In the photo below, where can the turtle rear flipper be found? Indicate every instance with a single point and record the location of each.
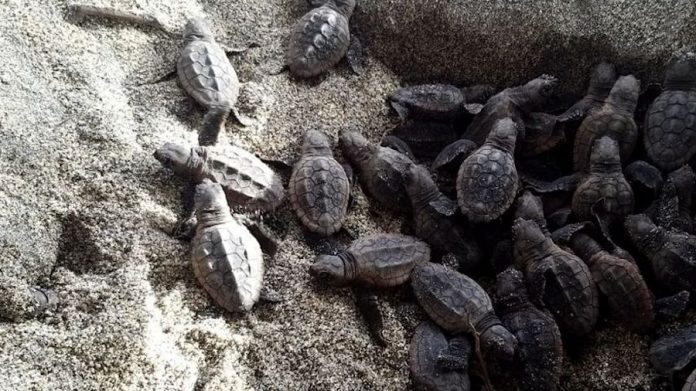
(355, 56)
(213, 123)
(368, 305)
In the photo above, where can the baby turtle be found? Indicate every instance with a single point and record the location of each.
(630, 301)
(381, 170)
(434, 221)
(206, 74)
(614, 119)
(319, 187)
(670, 124)
(383, 260)
(515, 103)
(673, 356)
(249, 184)
(427, 346)
(539, 353)
(321, 38)
(459, 305)
(426, 138)
(227, 259)
(672, 254)
(556, 279)
(487, 180)
(439, 102)
(601, 83)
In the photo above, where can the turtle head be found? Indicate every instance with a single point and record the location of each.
(530, 207)
(503, 135)
(316, 143)
(197, 30)
(329, 269)
(527, 237)
(603, 79)
(354, 146)
(639, 228)
(624, 94)
(345, 7)
(681, 71)
(605, 155)
(510, 288)
(209, 201)
(498, 341)
(418, 183)
(174, 157)
(540, 90)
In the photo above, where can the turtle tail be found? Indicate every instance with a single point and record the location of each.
(213, 123)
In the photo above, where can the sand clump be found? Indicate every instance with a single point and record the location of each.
(87, 210)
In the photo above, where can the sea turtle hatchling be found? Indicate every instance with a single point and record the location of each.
(614, 119)
(380, 170)
(319, 187)
(487, 181)
(383, 260)
(460, 306)
(556, 279)
(672, 254)
(249, 183)
(427, 346)
(515, 103)
(227, 259)
(674, 356)
(206, 74)
(321, 38)
(434, 220)
(439, 102)
(601, 82)
(630, 301)
(670, 124)
(539, 353)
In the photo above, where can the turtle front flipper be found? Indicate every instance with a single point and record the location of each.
(398, 145)
(267, 240)
(213, 123)
(576, 112)
(355, 56)
(368, 304)
(457, 355)
(566, 183)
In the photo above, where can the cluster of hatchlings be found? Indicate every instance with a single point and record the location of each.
(563, 253)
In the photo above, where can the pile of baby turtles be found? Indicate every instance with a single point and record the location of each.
(484, 177)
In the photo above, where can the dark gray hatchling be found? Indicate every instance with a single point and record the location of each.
(539, 354)
(381, 171)
(670, 124)
(428, 345)
(556, 279)
(672, 254)
(434, 219)
(460, 306)
(319, 187)
(321, 38)
(487, 181)
(674, 356)
(249, 183)
(227, 259)
(206, 74)
(439, 102)
(514, 103)
(614, 119)
(601, 82)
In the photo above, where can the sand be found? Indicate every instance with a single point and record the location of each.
(86, 209)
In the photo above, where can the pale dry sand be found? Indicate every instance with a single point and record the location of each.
(86, 209)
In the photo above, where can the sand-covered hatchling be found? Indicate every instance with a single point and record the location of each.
(381, 171)
(515, 103)
(439, 102)
(556, 279)
(459, 305)
(227, 259)
(249, 183)
(672, 254)
(428, 345)
(206, 74)
(614, 119)
(670, 124)
(321, 38)
(601, 82)
(434, 220)
(487, 181)
(629, 299)
(674, 356)
(319, 188)
(539, 353)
